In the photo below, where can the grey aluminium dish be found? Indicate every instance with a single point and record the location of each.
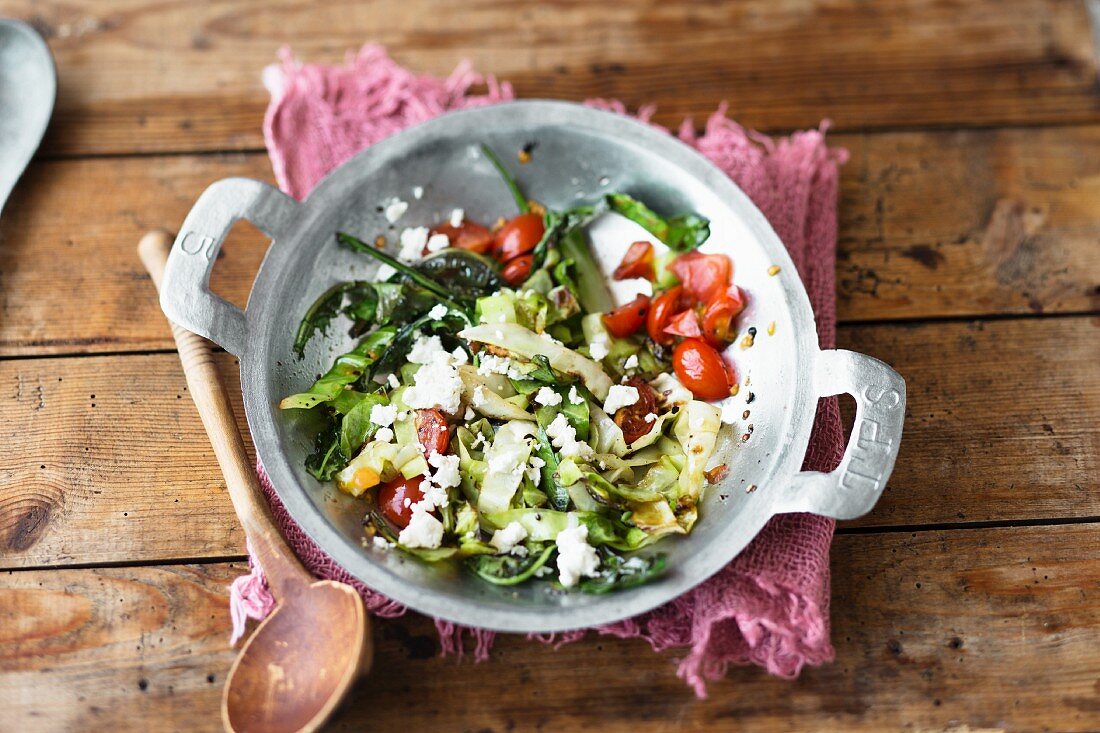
(580, 153)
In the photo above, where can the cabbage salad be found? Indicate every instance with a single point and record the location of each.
(500, 410)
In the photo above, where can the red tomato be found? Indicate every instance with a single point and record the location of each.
(391, 499)
(469, 235)
(685, 324)
(431, 431)
(703, 276)
(701, 369)
(518, 237)
(626, 319)
(518, 269)
(664, 306)
(631, 419)
(719, 317)
(637, 262)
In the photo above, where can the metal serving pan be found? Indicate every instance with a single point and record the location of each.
(580, 153)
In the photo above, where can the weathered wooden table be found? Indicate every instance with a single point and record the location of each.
(969, 259)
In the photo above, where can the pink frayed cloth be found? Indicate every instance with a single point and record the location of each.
(770, 606)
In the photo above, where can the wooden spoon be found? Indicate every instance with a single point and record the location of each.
(301, 660)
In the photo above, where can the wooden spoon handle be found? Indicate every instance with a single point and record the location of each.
(284, 573)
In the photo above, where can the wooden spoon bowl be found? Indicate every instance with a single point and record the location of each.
(299, 662)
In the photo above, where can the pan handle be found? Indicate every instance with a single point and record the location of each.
(185, 297)
(856, 484)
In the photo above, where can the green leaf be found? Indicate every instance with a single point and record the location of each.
(326, 459)
(320, 314)
(555, 492)
(358, 245)
(356, 427)
(617, 573)
(681, 233)
(509, 181)
(467, 274)
(347, 370)
(508, 569)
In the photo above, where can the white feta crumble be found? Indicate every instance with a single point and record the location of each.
(546, 335)
(383, 415)
(424, 530)
(437, 386)
(438, 311)
(446, 470)
(458, 356)
(437, 242)
(404, 414)
(380, 542)
(457, 216)
(493, 364)
(534, 469)
(433, 496)
(413, 241)
(618, 397)
(426, 349)
(598, 348)
(564, 437)
(479, 398)
(576, 558)
(575, 396)
(506, 539)
(729, 413)
(418, 192)
(470, 414)
(385, 272)
(548, 397)
(384, 435)
(651, 417)
(393, 381)
(395, 209)
(631, 362)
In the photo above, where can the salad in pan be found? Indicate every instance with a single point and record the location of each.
(500, 409)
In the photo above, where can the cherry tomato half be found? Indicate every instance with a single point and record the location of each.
(391, 499)
(719, 317)
(628, 318)
(518, 237)
(685, 324)
(469, 235)
(637, 262)
(431, 431)
(664, 306)
(631, 419)
(703, 276)
(517, 269)
(700, 368)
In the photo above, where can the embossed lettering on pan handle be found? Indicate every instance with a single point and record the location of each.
(185, 297)
(856, 484)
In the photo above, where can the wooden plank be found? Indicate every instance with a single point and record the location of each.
(991, 629)
(994, 432)
(932, 224)
(782, 65)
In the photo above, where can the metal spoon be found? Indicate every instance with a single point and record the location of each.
(28, 88)
(302, 660)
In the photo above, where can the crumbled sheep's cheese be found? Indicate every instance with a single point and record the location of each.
(426, 349)
(381, 543)
(437, 386)
(383, 415)
(470, 414)
(547, 396)
(598, 348)
(456, 217)
(437, 242)
(546, 335)
(395, 209)
(729, 413)
(618, 397)
(433, 496)
(493, 364)
(479, 396)
(418, 192)
(438, 311)
(576, 558)
(385, 272)
(505, 540)
(413, 241)
(424, 530)
(458, 356)
(564, 437)
(402, 415)
(393, 381)
(575, 396)
(651, 417)
(446, 470)
(631, 362)
(384, 435)
(534, 469)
